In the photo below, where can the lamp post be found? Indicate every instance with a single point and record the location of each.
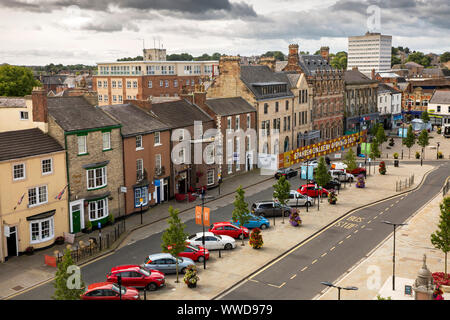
(421, 158)
(203, 197)
(437, 152)
(329, 284)
(307, 171)
(393, 251)
(141, 202)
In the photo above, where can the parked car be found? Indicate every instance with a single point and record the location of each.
(195, 253)
(254, 222)
(166, 263)
(270, 209)
(357, 171)
(332, 184)
(339, 175)
(228, 229)
(343, 167)
(311, 191)
(212, 241)
(109, 291)
(296, 198)
(287, 173)
(136, 276)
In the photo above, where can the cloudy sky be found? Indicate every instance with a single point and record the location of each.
(38, 32)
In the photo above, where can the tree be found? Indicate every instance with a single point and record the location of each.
(374, 151)
(339, 61)
(381, 135)
(215, 56)
(62, 282)
(409, 140)
(425, 116)
(441, 237)
(423, 139)
(137, 58)
(395, 60)
(322, 175)
(350, 160)
(281, 191)
(240, 211)
(420, 58)
(180, 57)
(16, 81)
(174, 238)
(278, 55)
(445, 57)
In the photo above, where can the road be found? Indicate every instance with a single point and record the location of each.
(329, 254)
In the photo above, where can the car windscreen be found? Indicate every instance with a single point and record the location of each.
(145, 272)
(115, 288)
(192, 236)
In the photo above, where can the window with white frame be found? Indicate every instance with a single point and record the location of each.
(113, 84)
(197, 70)
(163, 69)
(114, 98)
(37, 195)
(210, 154)
(237, 127)
(82, 146)
(192, 82)
(139, 193)
(157, 138)
(120, 98)
(106, 140)
(161, 83)
(98, 209)
(140, 169)
(128, 84)
(167, 83)
(187, 82)
(249, 122)
(41, 230)
(181, 155)
(129, 97)
(229, 123)
(187, 69)
(210, 177)
(19, 171)
(150, 84)
(105, 98)
(105, 84)
(150, 69)
(175, 83)
(46, 166)
(171, 69)
(139, 142)
(96, 178)
(119, 84)
(158, 161)
(23, 115)
(99, 84)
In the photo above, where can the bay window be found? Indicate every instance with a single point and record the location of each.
(96, 178)
(41, 230)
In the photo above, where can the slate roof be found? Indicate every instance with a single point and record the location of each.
(382, 87)
(134, 120)
(49, 80)
(179, 114)
(229, 106)
(311, 63)
(257, 75)
(12, 102)
(356, 77)
(25, 143)
(293, 79)
(76, 113)
(441, 96)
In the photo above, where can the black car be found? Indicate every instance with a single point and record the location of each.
(270, 209)
(287, 173)
(332, 184)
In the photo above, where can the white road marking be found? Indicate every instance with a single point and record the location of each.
(304, 269)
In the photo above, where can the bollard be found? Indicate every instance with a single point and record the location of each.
(145, 294)
(220, 255)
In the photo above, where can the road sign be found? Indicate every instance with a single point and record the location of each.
(123, 189)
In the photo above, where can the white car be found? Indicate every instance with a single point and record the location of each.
(212, 241)
(294, 195)
(338, 166)
(340, 175)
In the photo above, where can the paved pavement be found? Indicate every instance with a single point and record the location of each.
(336, 249)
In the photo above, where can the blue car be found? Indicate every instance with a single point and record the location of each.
(254, 222)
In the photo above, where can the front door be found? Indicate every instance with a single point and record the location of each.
(166, 189)
(182, 186)
(76, 218)
(12, 242)
(158, 194)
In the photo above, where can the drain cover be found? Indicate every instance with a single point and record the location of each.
(17, 288)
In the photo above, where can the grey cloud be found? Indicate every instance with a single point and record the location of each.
(109, 26)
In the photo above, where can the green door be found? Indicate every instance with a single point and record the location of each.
(76, 218)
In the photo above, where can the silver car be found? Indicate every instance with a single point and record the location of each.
(296, 198)
(166, 263)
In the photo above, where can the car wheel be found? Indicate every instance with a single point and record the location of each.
(201, 258)
(228, 246)
(308, 203)
(263, 226)
(152, 286)
(241, 236)
(183, 271)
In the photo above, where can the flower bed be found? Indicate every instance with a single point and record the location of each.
(440, 279)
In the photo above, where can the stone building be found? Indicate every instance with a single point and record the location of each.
(146, 154)
(94, 152)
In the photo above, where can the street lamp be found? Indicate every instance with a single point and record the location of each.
(437, 152)
(203, 197)
(329, 284)
(393, 252)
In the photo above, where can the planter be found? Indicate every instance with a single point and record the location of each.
(192, 285)
(332, 202)
(59, 240)
(29, 251)
(396, 162)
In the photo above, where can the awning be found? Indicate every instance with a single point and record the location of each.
(40, 216)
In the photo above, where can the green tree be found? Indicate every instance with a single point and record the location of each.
(381, 135)
(322, 175)
(62, 282)
(16, 81)
(278, 55)
(339, 61)
(137, 58)
(420, 58)
(409, 140)
(423, 140)
(240, 211)
(281, 191)
(180, 57)
(445, 57)
(215, 56)
(374, 151)
(174, 238)
(395, 60)
(425, 116)
(350, 160)
(441, 237)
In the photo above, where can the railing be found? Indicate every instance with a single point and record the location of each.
(102, 241)
(404, 184)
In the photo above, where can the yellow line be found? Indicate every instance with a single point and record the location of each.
(375, 217)
(397, 201)
(293, 276)
(332, 248)
(314, 261)
(282, 285)
(392, 205)
(272, 285)
(304, 269)
(324, 254)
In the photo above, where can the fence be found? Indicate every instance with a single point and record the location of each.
(404, 184)
(446, 188)
(96, 244)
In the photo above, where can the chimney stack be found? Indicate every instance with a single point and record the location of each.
(269, 62)
(325, 53)
(143, 104)
(199, 95)
(373, 74)
(39, 102)
(293, 58)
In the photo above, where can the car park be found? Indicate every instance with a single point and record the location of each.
(166, 263)
(195, 253)
(212, 241)
(136, 276)
(312, 190)
(298, 199)
(228, 229)
(287, 173)
(254, 222)
(109, 291)
(270, 209)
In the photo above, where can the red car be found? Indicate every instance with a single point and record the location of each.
(356, 172)
(311, 191)
(109, 291)
(229, 229)
(196, 253)
(136, 276)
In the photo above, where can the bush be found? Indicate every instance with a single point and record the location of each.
(440, 155)
(256, 240)
(382, 168)
(439, 278)
(191, 278)
(439, 130)
(395, 155)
